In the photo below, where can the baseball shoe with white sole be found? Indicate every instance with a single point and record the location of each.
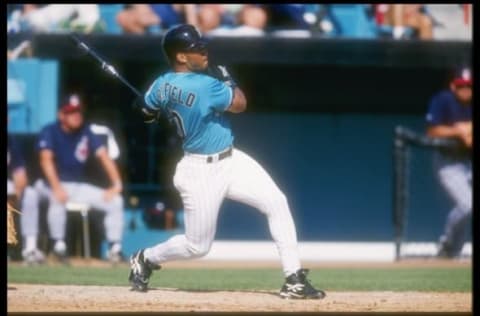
(33, 257)
(140, 271)
(298, 287)
(61, 257)
(115, 254)
(115, 257)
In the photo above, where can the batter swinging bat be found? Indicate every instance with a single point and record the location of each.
(105, 66)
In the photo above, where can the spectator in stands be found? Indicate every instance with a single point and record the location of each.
(403, 17)
(64, 148)
(57, 18)
(20, 193)
(321, 19)
(287, 16)
(24, 49)
(212, 16)
(15, 16)
(450, 116)
(451, 21)
(152, 18)
(232, 19)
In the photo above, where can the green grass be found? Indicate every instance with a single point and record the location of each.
(458, 279)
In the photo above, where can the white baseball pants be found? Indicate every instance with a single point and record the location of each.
(203, 186)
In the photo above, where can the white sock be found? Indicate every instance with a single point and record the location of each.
(60, 246)
(116, 247)
(30, 243)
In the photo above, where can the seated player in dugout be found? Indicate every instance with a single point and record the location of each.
(95, 174)
(64, 148)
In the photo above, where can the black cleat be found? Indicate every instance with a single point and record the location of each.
(298, 287)
(445, 251)
(140, 271)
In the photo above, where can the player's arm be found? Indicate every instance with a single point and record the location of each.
(48, 167)
(112, 172)
(442, 130)
(20, 181)
(460, 130)
(467, 130)
(150, 104)
(239, 102)
(19, 173)
(438, 122)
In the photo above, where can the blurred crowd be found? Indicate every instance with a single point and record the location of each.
(396, 21)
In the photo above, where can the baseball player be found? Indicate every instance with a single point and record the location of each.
(64, 149)
(450, 115)
(17, 186)
(212, 168)
(42, 191)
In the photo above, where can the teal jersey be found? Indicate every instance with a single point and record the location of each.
(196, 103)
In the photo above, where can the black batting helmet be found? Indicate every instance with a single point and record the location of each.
(182, 38)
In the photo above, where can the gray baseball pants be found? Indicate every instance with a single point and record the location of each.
(456, 178)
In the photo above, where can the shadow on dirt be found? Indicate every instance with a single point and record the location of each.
(212, 291)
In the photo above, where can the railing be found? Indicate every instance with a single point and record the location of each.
(403, 139)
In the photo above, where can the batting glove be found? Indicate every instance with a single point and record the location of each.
(221, 73)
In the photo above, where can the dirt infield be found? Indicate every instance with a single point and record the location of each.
(36, 298)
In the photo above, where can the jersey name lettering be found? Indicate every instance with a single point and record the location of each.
(176, 95)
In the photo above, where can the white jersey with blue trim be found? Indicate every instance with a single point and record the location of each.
(197, 103)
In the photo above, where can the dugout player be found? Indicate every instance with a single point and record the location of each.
(450, 115)
(42, 191)
(64, 148)
(212, 168)
(25, 195)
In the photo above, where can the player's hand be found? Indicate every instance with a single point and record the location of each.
(464, 127)
(60, 194)
(465, 132)
(221, 73)
(110, 193)
(148, 114)
(467, 140)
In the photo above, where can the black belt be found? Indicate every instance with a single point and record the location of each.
(221, 156)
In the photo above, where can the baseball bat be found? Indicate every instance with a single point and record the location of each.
(104, 65)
